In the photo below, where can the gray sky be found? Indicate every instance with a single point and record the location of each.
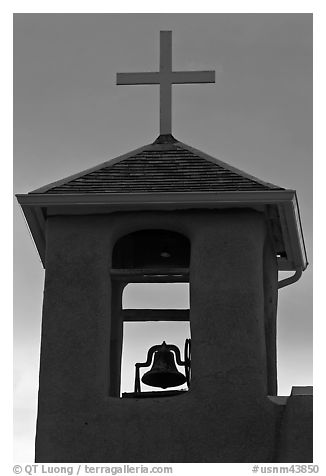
(69, 115)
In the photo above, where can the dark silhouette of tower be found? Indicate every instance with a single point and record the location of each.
(166, 213)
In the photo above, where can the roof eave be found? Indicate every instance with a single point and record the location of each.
(192, 198)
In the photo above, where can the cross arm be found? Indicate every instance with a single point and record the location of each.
(183, 77)
(138, 78)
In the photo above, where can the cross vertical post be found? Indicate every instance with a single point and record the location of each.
(165, 86)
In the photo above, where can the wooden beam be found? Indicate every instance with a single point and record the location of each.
(143, 315)
(159, 275)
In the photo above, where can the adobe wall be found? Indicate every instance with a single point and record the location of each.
(295, 439)
(226, 416)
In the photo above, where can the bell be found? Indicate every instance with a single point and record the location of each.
(164, 372)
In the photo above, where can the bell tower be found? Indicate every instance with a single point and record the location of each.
(166, 213)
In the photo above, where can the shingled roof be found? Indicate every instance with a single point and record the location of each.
(169, 175)
(167, 165)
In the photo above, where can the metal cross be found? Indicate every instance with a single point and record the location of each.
(165, 78)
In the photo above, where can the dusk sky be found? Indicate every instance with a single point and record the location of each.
(70, 115)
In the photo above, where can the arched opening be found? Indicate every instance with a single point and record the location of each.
(150, 285)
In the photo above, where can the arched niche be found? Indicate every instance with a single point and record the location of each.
(151, 249)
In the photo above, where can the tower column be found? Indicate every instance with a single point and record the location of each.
(227, 305)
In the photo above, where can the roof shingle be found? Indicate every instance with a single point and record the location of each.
(167, 167)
